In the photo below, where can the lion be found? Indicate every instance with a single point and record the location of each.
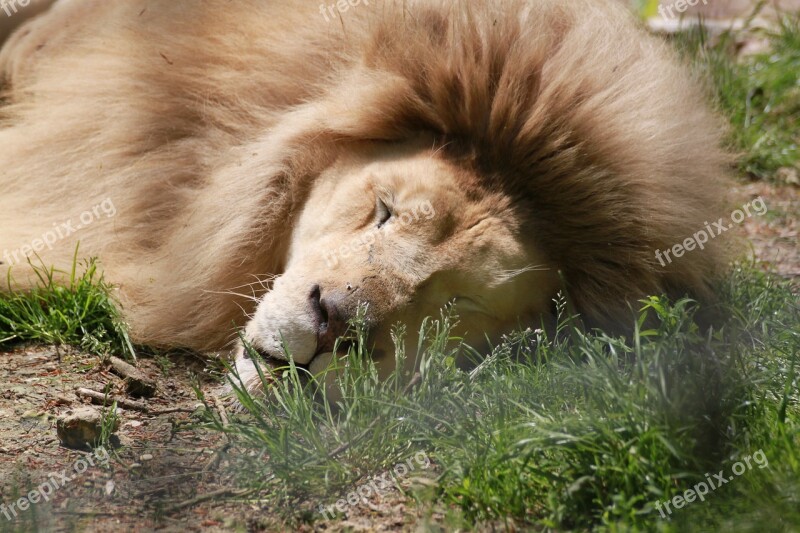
(277, 166)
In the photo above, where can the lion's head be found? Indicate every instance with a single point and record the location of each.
(404, 232)
(490, 157)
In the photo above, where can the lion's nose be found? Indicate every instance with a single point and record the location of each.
(330, 319)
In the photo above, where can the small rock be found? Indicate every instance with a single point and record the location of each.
(788, 175)
(82, 428)
(146, 457)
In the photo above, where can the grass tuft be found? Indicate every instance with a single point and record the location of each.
(80, 313)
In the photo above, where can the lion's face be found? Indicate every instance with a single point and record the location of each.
(403, 232)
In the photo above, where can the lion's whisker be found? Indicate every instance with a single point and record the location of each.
(509, 275)
(248, 297)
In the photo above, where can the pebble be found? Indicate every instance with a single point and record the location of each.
(81, 428)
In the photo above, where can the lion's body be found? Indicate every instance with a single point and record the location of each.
(207, 122)
(161, 112)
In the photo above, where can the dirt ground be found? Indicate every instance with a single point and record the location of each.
(774, 236)
(162, 464)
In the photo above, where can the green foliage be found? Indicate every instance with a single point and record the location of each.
(568, 430)
(562, 429)
(646, 8)
(108, 426)
(80, 312)
(760, 95)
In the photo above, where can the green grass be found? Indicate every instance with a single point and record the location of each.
(578, 431)
(760, 95)
(80, 312)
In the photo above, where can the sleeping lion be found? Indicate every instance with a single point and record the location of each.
(277, 165)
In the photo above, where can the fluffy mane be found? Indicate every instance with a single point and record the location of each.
(594, 127)
(206, 123)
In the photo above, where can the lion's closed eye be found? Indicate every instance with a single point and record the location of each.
(383, 214)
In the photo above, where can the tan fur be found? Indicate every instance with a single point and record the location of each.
(209, 123)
